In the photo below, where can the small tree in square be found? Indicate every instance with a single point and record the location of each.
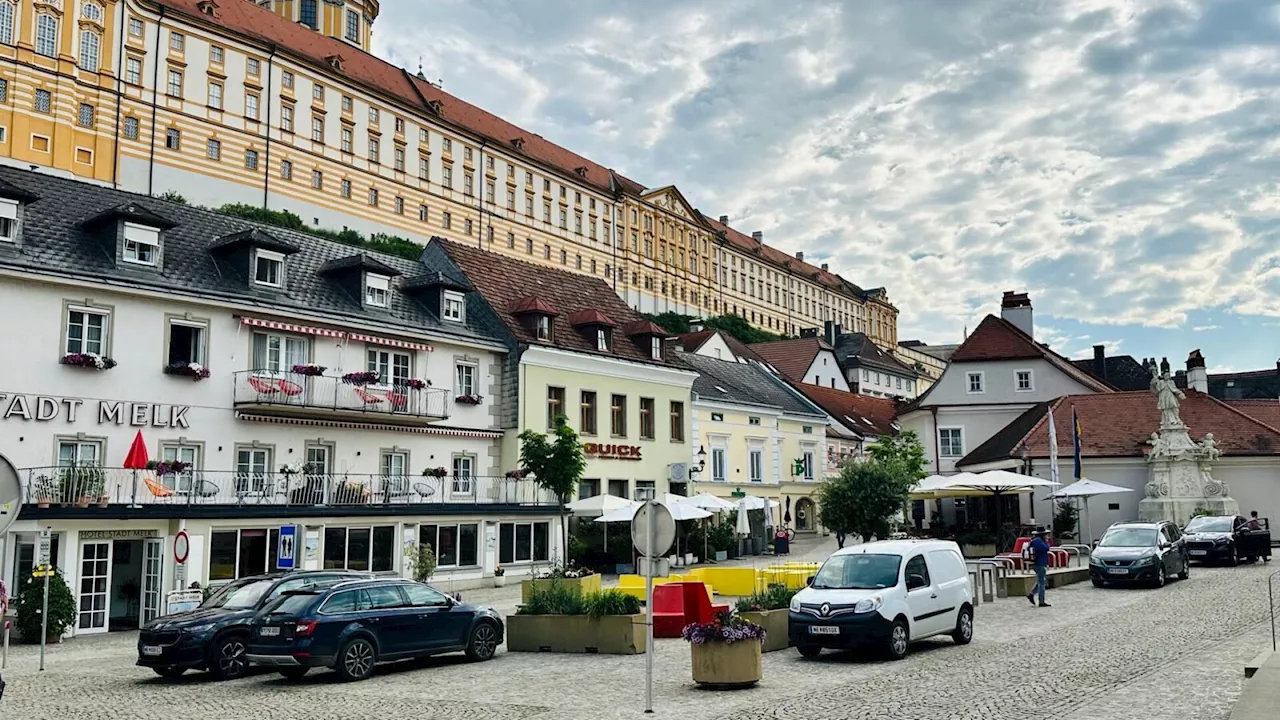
(557, 464)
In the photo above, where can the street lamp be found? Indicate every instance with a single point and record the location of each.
(702, 463)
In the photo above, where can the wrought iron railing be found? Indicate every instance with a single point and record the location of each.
(290, 389)
(86, 486)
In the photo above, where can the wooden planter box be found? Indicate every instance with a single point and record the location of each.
(774, 622)
(726, 665)
(609, 635)
(979, 551)
(579, 586)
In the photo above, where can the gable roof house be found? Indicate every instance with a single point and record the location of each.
(997, 374)
(806, 360)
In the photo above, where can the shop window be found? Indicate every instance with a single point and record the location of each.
(360, 548)
(454, 545)
(523, 542)
(242, 553)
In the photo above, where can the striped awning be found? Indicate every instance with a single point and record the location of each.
(290, 327)
(357, 337)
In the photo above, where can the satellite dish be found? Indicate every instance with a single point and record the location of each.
(664, 530)
(10, 495)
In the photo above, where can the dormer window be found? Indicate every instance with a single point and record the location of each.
(8, 221)
(542, 327)
(655, 348)
(603, 340)
(453, 308)
(377, 290)
(141, 244)
(268, 268)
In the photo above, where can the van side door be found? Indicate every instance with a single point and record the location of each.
(951, 578)
(922, 598)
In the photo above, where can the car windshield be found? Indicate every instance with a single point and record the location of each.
(239, 594)
(861, 571)
(1129, 537)
(1210, 524)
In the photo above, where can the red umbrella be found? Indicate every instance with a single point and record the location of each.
(137, 458)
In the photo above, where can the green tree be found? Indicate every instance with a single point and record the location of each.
(738, 327)
(902, 453)
(863, 498)
(672, 322)
(557, 465)
(30, 602)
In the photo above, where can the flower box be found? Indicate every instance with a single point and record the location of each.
(195, 371)
(579, 586)
(608, 635)
(774, 622)
(469, 399)
(309, 370)
(726, 665)
(416, 384)
(363, 377)
(88, 360)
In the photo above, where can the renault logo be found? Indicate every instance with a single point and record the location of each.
(825, 609)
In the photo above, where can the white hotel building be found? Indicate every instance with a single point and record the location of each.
(158, 288)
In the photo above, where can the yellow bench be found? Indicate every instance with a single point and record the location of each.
(736, 582)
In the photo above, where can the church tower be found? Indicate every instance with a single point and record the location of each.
(350, 21)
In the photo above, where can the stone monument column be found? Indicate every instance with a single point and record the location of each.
(1180, 470)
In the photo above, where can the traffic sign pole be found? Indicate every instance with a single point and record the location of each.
(46, 540)
(650, 533)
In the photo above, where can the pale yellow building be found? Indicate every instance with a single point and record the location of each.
(278, 105)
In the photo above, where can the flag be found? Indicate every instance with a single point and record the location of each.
(1053, 450)
(1075, 431)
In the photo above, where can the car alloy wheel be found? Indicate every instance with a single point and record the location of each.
(1161, 578)
(357, 660)
(484, 642)
(964, 627)
(230, 661)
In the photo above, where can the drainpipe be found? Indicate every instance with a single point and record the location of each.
(155, 99)
(937, 448)
(115, 155)
(266, 163)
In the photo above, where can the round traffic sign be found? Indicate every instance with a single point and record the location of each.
(664, 530)
(181, 547)
(10, 494)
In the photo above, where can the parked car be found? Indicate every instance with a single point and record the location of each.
(351, 626)
(884, 594)
(1139, 552)
(214, 636)
(1226, 538)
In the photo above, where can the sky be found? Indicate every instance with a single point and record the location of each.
(1117, 159)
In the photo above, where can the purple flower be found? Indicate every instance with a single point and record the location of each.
(726, 628)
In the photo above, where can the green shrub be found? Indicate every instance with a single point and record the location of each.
(378, 242)
(551, 598)
(30, 601)
(777, 597)
(610, 602)
(422, 562)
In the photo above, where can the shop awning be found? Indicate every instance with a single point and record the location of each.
(357, 337)
(290, 327)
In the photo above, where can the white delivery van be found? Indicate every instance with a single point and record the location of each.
(885, 595)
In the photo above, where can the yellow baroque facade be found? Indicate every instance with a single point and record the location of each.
(274, 104)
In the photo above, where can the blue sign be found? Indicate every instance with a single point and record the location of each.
(287, 548)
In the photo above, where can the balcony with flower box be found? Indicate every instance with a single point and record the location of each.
(360, 396)
(91, 492)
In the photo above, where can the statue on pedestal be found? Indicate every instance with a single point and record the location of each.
(1168, 399)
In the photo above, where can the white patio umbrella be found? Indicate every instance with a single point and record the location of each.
(595, 506)
(995, 483)
(711, 503)
(1086, 488)
(678, 510)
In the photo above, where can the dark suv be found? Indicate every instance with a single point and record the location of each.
(214, 636)
(351, 626)
(1139, 552)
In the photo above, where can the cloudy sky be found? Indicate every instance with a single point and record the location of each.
(1118, 159)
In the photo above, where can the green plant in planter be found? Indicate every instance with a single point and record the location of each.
(62, 607)
(1065, 516)
(610, 602)
(777, 597)
(552, 598)
(422, 562)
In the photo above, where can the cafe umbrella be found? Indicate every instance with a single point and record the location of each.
(136, 460)
(995, 483)
(1085, 488)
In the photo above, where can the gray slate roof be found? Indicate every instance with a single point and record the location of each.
(856, 351)
(748, 383)
(54, 241)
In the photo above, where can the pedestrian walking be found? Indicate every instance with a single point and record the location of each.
(839, 539)
(1040, 556)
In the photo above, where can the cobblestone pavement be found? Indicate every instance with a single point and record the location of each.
(1096, 655)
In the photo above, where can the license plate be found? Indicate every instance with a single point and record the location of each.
(1199, 552)
(1118, 571)
(152, 650)
(269, 631)
(824, 630)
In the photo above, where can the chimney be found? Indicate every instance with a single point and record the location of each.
(1100, 362)
(724, 219)
(1016, 309)
(829, 332)
(800, 256)
(757, 236)
(696, 325)
(826, 268)
(839, 331)
(1197, 376)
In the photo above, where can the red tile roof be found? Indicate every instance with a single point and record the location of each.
(998, 339)
(645, 327)
(853, 410)
(532, 304)
(791, 357)
(504, 281)
(694, 340)
(1264, 411)
(591, 316)
(1120, 424)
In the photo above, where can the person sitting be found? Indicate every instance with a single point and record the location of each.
(1253, 521)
